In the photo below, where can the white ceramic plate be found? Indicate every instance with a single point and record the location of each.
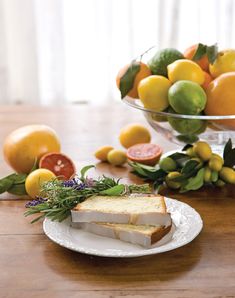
(187, 222)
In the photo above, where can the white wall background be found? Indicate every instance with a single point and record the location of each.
(59, 51)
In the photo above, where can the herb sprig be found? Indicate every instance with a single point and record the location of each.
(59, 197)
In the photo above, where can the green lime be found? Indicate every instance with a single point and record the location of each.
(167, 164)
(185, 126)
(159, 62)
(187, 97)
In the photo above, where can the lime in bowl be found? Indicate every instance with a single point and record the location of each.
(184, 129)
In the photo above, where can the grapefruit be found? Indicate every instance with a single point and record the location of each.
(60, 164)
(28, 143)
(148, 154)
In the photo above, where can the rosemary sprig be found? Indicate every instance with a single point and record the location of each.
(59, 197)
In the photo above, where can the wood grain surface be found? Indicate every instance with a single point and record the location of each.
(33, 266)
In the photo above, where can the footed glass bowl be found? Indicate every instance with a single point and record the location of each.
(182, 129)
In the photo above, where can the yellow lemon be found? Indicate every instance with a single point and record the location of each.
(225, 62)
(134, 134)
(116, 157)
(35, 180)
(153, 92)
(102, 152)
(185, 70)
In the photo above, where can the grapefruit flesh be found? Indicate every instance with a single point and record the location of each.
(60, 164)
(148, 154)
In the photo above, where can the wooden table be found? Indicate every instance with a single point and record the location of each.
(33, 266)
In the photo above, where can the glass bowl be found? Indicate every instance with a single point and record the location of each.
(182, 129)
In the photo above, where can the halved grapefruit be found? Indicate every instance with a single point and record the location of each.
(148, 154)
(60, 164)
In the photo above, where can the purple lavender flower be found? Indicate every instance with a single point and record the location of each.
(37, 201)
(74, 183)
(89, 182)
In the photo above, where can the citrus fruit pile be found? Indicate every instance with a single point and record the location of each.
(136, 139)
(199, 81)
(33, 151)
(192, 168)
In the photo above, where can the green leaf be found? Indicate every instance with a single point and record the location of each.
(17, 178)
(212, 53)
(17, 189)
(127, 80)
(180, 158)
(5, 184)
(189, 167)
(114, 191)
(229, 154)
(194, 183)
(187, 146)
(200, 52)
(84, 170)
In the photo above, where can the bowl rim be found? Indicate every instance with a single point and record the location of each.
(136, 103)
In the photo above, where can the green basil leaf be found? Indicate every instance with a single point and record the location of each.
(5, 184)
(114, 191)
(17, 189)
(200, 52)
(194, 183)
(84, 170)
(212, 53)
(127, 80)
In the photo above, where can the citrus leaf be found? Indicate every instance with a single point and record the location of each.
(212, 52)
(127, 80)
(194, 183)
(5, 184)
(17, 178)
(17, 189)
(200, 52)
(229, 154)
(187, 146)
(189, 167)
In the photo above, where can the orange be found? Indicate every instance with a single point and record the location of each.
(134, 134)
(203, 62)
(221, 99)
(143, 73)
(208, 79)
(35, 180)
(60, 164)
(28, 143)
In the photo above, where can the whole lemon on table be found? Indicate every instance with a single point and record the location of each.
(225, 62)
(153, 92)
(134, 134)
(185, 69)
(221, 98)
(35, 180)
(28, 143)
(143, 73)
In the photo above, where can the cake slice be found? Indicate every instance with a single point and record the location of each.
(135, 210)
(143, 235)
